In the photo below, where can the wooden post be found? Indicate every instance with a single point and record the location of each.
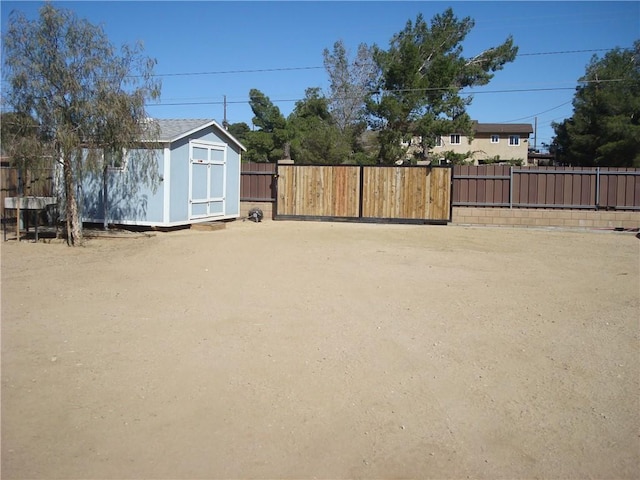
(19, 192)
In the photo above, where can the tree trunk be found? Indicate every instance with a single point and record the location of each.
(74, 228)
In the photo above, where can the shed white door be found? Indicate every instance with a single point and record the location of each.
(207, 179)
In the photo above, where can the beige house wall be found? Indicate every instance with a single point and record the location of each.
(482, 148)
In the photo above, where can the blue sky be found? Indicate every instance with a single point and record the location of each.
(207, 50)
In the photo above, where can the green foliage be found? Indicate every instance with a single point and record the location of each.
(313, 105)
(367, 148)
(604, 129)
(318, 142)
(420, 76)
(315, 138)
(362, 158)
(515, 162)
(415, 85)
(64, 73)
(20, 137)
(240, 131)
(453, 158)
(267, 144)
(260, 147)
(309, 136)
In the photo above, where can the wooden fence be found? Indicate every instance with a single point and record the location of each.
(485, 185)
(34, 182)
(546, 187)
(257, 182)
(407, 193)
(364, 193)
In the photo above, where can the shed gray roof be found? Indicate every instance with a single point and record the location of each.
(172, 129)
(503, 128)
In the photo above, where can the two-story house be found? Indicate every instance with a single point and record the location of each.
(503, 141)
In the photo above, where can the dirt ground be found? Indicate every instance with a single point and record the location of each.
(323, 350)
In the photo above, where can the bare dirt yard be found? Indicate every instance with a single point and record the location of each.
(323, 350)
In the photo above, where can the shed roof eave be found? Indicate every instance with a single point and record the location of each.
(201, 127)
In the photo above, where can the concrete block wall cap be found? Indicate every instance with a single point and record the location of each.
(29, 203)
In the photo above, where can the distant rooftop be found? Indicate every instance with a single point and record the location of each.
(503, 127)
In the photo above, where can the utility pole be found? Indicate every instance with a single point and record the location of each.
(535, 135)
(225, 124)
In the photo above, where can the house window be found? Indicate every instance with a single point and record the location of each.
(514, 140)
(495, 138)
(438, 141)
(455, 139)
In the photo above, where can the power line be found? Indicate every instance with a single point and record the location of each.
(224, 72)
(539, 113)
(514, 90)
(173, 104)
(564, 52)
(289, 69)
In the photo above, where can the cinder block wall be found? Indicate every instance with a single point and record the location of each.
(539, 217)
(518, 217)
(266, 207)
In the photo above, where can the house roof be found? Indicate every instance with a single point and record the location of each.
(503, 128)
(174, 129)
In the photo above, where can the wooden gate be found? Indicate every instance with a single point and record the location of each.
(411, 194)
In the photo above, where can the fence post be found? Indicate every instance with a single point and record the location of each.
(511, 186)
(597, 188)
(361, 193)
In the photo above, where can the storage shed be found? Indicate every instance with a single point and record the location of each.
(198, 164)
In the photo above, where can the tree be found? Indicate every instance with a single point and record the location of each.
(315, 137)
(267, 144)
(239, 131)
(19, 135)
(420, 77)
(350, 84)
(86, 98)
(604, 129)
(351, 81)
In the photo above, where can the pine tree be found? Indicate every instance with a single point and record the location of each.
(420, 77)
(604, 129)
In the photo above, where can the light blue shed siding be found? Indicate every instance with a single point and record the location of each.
(233, 181)
(179, 201)
(146, 205)
(143, 204)
(179, 171)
